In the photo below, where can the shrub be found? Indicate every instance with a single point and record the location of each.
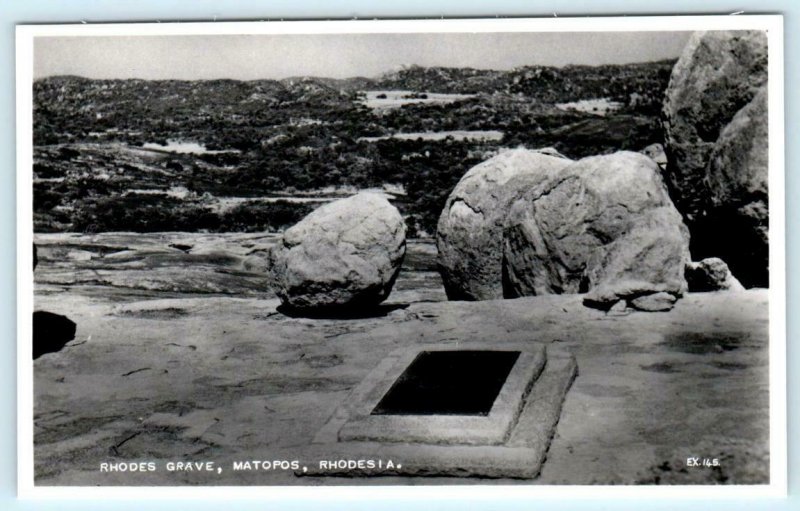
(263, 216)
(142, 213)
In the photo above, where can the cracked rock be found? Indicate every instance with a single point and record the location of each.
(605, 226)
(470, 229)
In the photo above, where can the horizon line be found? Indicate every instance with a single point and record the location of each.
(376, 77)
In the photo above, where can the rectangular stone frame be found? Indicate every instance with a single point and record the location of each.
(520, 456)
(493, 429)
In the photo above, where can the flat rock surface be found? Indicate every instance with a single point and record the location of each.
(187, 371)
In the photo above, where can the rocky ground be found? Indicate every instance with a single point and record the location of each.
(181, 354)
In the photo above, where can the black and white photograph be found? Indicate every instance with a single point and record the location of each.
(402, 253)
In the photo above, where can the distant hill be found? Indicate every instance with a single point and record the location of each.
(546, 83)
(267, 137)
(345, 84)
(232, 114)
(444, 79)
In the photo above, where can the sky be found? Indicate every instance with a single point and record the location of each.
(248, 57)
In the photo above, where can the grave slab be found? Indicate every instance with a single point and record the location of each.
(510, 441)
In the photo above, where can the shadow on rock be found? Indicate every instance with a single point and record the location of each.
(375, 311)
(51, 332)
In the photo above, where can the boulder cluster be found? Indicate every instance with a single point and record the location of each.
(618, 228)
(526, 223)
(715, 130)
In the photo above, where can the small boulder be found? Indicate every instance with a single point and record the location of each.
(605, 226)
(344, 255)
(711, 274)
(656, 153)
(655, 302)
(470, 230)
(51, 332)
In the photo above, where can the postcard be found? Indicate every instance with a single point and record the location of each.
(542, 255)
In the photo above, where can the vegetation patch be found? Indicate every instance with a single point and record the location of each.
(110, 155)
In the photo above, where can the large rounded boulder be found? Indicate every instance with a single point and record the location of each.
(470, 230)
(715, 122)
(605, 226)
(345, 255)
(718, 73)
